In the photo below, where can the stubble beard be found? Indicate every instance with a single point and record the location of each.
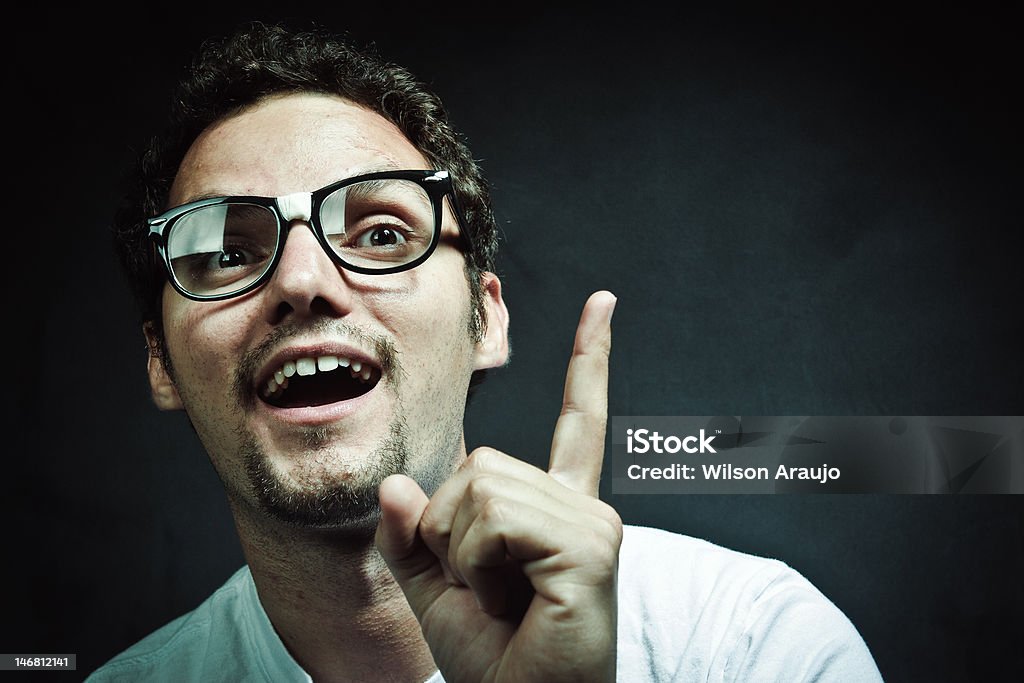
(321, 498)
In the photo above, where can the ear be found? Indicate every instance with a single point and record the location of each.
(165, 394)
(492, 349)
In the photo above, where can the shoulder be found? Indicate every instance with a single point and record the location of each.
(662, 556)
(184, 648)
(687, 605)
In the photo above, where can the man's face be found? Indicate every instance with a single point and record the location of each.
(315, 452)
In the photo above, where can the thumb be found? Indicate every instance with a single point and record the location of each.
(416, 569)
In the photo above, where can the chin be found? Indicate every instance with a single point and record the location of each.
(319, 491)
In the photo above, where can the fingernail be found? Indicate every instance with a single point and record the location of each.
(611, 309)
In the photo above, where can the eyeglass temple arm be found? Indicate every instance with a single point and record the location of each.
(464, 234)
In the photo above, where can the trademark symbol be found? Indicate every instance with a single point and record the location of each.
(718, 431)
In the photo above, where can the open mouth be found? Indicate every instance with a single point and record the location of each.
(317, 381)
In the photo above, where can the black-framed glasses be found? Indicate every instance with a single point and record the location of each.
(376, 223)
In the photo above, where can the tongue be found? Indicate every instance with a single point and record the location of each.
(319, 389)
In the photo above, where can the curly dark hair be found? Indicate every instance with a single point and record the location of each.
(258, 61)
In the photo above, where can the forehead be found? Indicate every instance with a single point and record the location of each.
(290, 143)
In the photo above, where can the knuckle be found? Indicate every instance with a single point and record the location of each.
(495, 510)
(483, 459)
(570, 406)
(481, 488)
(602, 554)
(614, 521)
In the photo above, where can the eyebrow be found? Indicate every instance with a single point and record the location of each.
(217, 194)
(205, 195)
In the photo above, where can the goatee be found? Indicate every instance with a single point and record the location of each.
(323, 498)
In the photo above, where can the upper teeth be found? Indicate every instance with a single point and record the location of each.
(278, 382)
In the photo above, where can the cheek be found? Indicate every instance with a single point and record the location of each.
(433, 304)
(429, 319)
(200, 343)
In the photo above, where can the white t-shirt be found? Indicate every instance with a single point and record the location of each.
(688, 611)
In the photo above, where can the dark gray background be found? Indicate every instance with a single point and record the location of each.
(811, 214)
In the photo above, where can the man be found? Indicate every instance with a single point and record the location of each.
(313, 249)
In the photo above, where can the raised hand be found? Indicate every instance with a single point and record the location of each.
(511, 570)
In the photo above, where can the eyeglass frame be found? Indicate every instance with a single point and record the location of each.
(436, 184)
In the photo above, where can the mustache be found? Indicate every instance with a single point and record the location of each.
(250, 363)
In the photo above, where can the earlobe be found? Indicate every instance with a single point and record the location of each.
(492, 349)
(165, 394)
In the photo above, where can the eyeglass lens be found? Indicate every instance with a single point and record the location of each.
(373, 224)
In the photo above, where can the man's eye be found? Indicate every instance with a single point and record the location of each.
(380, 237)
(232, 258)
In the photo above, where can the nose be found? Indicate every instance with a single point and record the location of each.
(306, 282)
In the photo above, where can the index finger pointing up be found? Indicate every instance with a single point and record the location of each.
(577, 448)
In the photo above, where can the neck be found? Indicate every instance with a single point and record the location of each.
(333, 601)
